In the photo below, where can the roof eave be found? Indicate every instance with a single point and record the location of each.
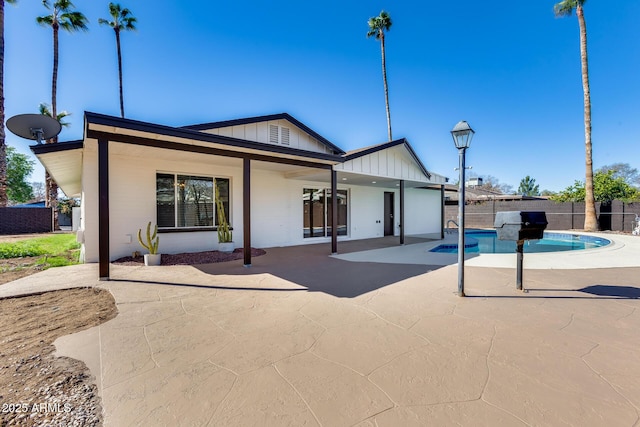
(152, 128)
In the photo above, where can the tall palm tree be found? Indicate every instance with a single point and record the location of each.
(51, 190)
(3, 147)
(566, 8)
(62, 16)
(377, 27)
(122, 21)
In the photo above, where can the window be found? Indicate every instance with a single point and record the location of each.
(317, 212)
(186, 201)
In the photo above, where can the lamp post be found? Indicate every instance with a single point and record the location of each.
(462, 135)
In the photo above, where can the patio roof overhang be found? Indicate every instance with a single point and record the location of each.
(63, 161)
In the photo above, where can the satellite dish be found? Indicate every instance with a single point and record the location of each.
(34, 126)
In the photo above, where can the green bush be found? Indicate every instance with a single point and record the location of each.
(21, 249)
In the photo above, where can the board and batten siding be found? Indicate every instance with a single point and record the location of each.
(262, 132)
(395, 162)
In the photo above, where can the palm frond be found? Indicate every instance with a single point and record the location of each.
(114, 10)
(378, 24)
(73, 21)
(566, 7)
(45, 21)
(45, 110)
(122, 19)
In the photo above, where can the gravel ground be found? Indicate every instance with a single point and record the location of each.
(193, 258)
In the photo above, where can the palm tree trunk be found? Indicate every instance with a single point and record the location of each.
(54, 78)
(120, 71)
(3, 147)
(384, 80)
(51, 194)
(590, 219)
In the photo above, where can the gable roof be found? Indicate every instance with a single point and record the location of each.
(354, 154)
(281, 116)
(115, 125)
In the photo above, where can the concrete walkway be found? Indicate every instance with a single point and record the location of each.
(226, 345)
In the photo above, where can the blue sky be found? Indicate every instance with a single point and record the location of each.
(512, 72)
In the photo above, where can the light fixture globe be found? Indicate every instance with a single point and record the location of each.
(462, 134)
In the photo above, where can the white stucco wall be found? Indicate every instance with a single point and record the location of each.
(132, 200)
(422, 211)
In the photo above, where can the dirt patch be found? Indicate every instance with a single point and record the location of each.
(37, 388)
(16, 268)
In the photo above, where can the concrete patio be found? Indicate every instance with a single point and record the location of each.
(301, 338)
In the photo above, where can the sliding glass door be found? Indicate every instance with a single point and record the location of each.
(317, 212)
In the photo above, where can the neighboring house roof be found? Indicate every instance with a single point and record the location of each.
(281, 116)
(480, 194)
(40, 204)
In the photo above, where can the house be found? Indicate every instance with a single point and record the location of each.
(477, 194)
(281, 183)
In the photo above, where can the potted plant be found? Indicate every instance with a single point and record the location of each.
(225, 237)
(153, 257)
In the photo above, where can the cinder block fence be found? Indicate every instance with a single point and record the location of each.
(616, 216)
(25, 220)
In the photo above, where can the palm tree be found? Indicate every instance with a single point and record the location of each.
(566, 8)
(377, 27)
(3, 147)
(51, 190)
(122, 20)
(45, 110)
(62, 16)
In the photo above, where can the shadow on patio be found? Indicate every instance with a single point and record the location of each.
(312, 267)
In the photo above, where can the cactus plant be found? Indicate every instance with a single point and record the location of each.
(224, 233)
(152, 240)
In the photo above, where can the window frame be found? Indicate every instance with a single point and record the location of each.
(176, 228)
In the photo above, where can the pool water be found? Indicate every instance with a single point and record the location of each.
(486, 242)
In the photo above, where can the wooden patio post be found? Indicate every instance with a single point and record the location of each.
(334, 211)
(103, 208)
(402, 211)
(246, 210)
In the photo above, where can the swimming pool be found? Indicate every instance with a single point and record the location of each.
(486, 242)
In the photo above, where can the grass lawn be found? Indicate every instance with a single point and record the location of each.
(23, 257)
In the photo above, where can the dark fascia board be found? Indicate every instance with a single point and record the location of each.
(58, 146)
(390, 144)
(280, 116)
(102, 119)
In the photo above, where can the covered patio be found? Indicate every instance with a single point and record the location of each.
(116, 168)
